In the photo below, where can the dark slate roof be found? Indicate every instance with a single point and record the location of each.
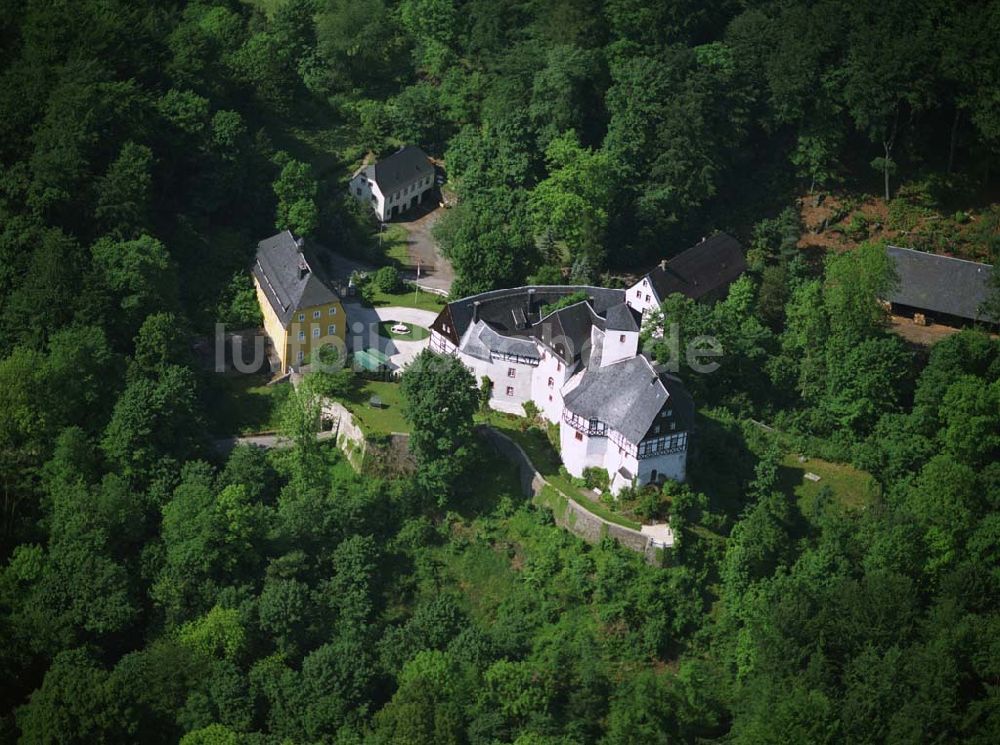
(567, 331)
(406, 165)
(622, 317)
(291, 275)
(483, 340)
(505, 309)
(713, 264)
(628, 396)
(940, 284)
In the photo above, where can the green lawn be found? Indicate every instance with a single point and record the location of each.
(853, 489)
(416, 332)
(244, 404)
(536, 445)
(388, 418)
(395, 246)
(410, 298)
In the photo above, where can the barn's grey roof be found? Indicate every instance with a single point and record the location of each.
(940, 284)
(711, 265)
(403, 167)
(291, 275)
(628, 396)
(621, 317)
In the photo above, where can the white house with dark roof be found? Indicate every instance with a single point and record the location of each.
(580, 364)
(702, 272)
(394, 184)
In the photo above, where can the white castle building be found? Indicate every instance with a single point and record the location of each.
(581, 366)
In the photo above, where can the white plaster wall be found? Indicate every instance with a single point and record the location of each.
(549, 367)
(521, 383)
(671, 465)
(641, 296)
(615, 350)
(368, 189)
(579, 454)
(406, 199)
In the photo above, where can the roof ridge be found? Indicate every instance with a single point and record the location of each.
(937, 255)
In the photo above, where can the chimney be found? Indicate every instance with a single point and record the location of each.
(303, 267)
(475, 311)
(299, 243)
(531, 300)
(663, 265)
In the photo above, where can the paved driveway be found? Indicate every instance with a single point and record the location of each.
(435, 270)
(364, 330)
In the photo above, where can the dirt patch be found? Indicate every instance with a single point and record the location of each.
(839, 222)
(921, 336)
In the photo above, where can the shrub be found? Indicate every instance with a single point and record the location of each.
(531, 412)
(596, 478)
(387, 279)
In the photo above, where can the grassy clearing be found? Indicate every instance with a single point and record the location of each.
(384, 420)
(543, 455)
(410, 298)
(395, 246)
(244, 404)
(852, 489)
(417, 333)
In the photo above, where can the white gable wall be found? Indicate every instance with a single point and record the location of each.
(363, 190)
(618, 346)
(549, 397)
(642, 296)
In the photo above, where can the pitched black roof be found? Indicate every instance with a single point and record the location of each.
(712, 264)
(622, 317)
(291, 275)
(566, 331)
(509, 310)
(940, 284)
(403, 167)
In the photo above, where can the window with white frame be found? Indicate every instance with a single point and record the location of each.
(333, 310)
(331, 329)
(316, 314)
(511, 372)
(302, 336)
(510, 390)
(316, 333)
(302, 316)
(301, 355)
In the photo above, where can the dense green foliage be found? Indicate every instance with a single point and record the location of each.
(154, 590)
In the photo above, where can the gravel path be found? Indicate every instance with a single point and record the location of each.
(364, 330)
(435, 270)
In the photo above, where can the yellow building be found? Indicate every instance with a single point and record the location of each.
(302, 310)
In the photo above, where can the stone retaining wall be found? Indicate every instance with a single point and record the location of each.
(576, 518)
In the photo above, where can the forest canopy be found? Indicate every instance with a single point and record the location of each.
(156, 589)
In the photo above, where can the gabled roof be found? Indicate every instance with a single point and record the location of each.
(483, 340)
(940, 284)
(711, 265)
(566, 331)
(621, 317)
(291, 276)
(403, 167)
(628, 396)
(504, 309)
